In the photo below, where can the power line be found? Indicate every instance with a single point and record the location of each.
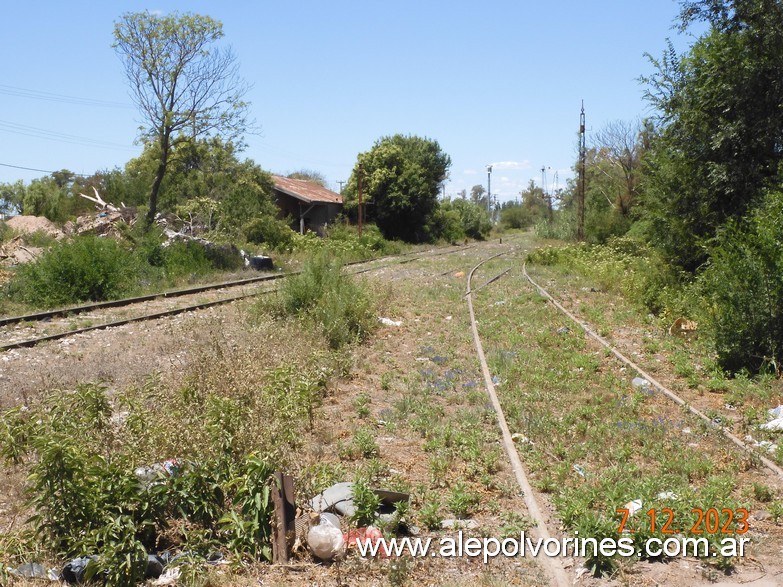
(41, 133)
(39, 170)
(62, 98)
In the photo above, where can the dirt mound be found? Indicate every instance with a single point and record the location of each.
(31, 224)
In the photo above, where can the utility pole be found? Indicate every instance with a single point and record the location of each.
(547, 196)
(489, 187)
(580, 194)
(341, 186)
(360, 199)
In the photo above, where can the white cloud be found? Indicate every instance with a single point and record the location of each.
(510, 165)
(469, 172)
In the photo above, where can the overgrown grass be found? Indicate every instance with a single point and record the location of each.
(597, 442)
(237, 417)
(340, 305)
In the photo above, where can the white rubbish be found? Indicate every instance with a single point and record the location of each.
(633, 506)
(458, 524)
(764, 444)
(776, 425)
(448, 317)
(579, 469)
(686, 430)
(641, 384)
(667, 495)
(776, 412)
(169, 577)
(326, 541)
(520, 439)
(390, 322)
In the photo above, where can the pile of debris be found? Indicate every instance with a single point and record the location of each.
(104, 222)
(15, 252)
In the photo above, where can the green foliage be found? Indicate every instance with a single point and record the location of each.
(401, 178)
(276, 234)
(743, 288)
(624, 265)
(717, 148)
(184, 84)
(86, 497)
(341, 306)
(366, 501)
(87, 268)
(474, 220)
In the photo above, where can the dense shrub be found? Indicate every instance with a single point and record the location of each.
(473, 218)
(87, 268)
(339, 305)
(743, 289)
(276, 234)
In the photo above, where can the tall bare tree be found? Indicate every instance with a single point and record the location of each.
(184, 85)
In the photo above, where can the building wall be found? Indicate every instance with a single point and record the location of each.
(316, 217)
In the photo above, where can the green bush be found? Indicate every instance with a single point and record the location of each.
(87, 268)
(743, 289)
(339, 305)
(268, 230)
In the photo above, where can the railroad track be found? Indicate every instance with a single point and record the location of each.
(556, 572)
(256, 283)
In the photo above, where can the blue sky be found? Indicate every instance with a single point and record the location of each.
(493, 82)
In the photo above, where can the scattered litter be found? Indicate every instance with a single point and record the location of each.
(452, 524)
(764, 444)
(496, 380)
(257, 262)
(326, 541)
(369, 534)
(500, 303)
(581, 572)
(633, 506)
(776, 424)
(448, 317)
(686, 430)
(169, 577)
(521, 439)
(34, 571)
(73, 572)
(167, 468)
(683, 327)
(580, 470)
(563, 330)
(390, 322)
(642, 384)
(339, 499)
(459, 274)
(667, 495)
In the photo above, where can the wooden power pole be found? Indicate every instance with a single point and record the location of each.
(580, 193)
(360, 199)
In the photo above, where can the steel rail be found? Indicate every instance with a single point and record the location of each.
(654, 382)
(201, 305)
(556, 571)
(81, 308)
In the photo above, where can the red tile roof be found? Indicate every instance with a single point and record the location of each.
(306, 191)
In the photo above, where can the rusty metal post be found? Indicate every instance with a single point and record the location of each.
(284, 532)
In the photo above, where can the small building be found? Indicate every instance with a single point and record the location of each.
(310, 205)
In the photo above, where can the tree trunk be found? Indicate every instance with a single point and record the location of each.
(162, 164)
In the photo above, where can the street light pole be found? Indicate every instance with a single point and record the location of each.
(489, 187)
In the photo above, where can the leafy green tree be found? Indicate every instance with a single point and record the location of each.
(401, 179)
(720, 125)
(310, 175)
(11, 197)
(473, 218)
(478, 195)
(183, 84)
(43, 197)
